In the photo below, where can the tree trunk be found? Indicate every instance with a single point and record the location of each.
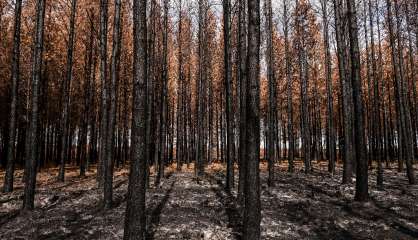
(304, 104)
(346, 108)
(228, 94)
(164, 102)
(10, 167)
(376, 101)
(179, 127)
(66, 88)
(331, 146)
(242, 52)
(362, 192)
(135, 218)
(104, 98)
(272, 99)
(252, 211)
(110, 138)
(289, 81)
(32, 137)
(202, 74)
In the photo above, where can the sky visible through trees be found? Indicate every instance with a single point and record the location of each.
(208, 119)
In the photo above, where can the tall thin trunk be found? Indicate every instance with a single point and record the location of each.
(272, 99)
(304, 104)
(164, 102)
(242, 52)
(110, 138)
(369, 123)
(135, 215)
(362, 192)
(330, 100)
(376, 100)
(347, 101)
(386, 131)
(10, 167)
(228, 95)
(413, 75)
(32, 136)
(66, 88)
(252, 211)
(90, 95)
(179, 125)
(104, 98)
(289, 82)
(202, 74)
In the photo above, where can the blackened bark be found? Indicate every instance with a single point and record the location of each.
(345, 83)
(32, 136)
(164, 101)
(179, 125)
(304, 104)
(85, 158)
(362, 190)
(228, 94)
(199, 169)
(135, 218)
(252, 211)
(104, 98)
(90, 109)
(65, 101)
(331, 148)
(110, 138)
(376, 100)
(242, 52)
(272, 98)
(289, 82)
(8, 180)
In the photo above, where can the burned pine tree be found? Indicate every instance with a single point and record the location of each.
(11, 153)
(252, 209)
(135, 218)
(228, 95)
(65, 145)
(272, 95)
(362, 193)
(32, 143)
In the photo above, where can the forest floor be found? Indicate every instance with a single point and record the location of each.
(299, 206)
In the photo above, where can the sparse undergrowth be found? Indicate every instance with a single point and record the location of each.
(299, 206)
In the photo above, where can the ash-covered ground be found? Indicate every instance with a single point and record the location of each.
(299, 206)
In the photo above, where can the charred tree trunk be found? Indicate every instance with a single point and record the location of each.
(179, 125)
(272, 96)
(304, 104)
(331, 147)
(289, 81)
(164, 102)
(252, 211)
(11, 155)
(242, 55)
(228, 96)
(32, 136)
(362, 192)
(199, 170)
(65, 101)
(110, 138)
(347, 101)
(104, 98)
(135, 218)
(376, 100)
